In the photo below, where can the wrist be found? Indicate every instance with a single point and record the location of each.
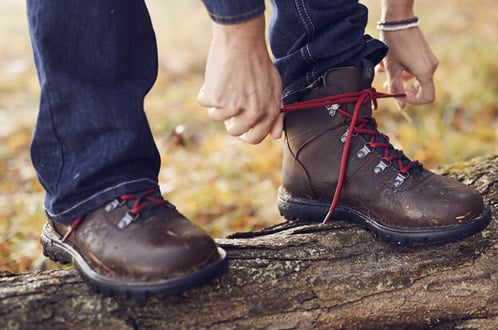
(396, 9)
(247, 33)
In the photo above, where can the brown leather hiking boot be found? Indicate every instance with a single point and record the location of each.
(374, 184)
(138, 245)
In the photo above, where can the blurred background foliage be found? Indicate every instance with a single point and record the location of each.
(220, 183)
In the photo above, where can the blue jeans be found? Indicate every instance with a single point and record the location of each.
(308, 37)
(96, 61)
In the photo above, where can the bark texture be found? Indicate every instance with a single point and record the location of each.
(296, 276)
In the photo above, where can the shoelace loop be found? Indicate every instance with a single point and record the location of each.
(142, 202)
(357, 126)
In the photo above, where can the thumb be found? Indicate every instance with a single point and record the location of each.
(201, 96)
(396, 86)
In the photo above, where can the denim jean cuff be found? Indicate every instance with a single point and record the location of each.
(67, 212)
(234, 11)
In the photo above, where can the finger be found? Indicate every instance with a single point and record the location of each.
(258, 118)
(421, 93)
(380, 67)
(203, 99)
(278, 127)
(396, 86)
(216, 111)
(401, 103)
(405, 75)
(222, 114)
(257, 133)
(254, 129)
(240, 124)
(261, 131)
(251, 137)
(427, 92)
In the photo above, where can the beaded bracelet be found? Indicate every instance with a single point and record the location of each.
(398, 25)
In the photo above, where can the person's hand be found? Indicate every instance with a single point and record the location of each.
(242, 87)
(409, 57)
(410, 63)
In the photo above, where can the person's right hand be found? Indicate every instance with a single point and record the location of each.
(242, 87)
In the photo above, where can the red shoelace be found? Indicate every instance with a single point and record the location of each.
(141, 202)
(147, 200)
(356, 126)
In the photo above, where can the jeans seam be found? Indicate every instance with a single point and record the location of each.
(308, 23)
(310, 30)
(308, 58)
(55, 215)
(59, 141)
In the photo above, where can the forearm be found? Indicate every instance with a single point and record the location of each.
(396, 9)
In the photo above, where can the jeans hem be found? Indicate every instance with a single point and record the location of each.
(99, 199)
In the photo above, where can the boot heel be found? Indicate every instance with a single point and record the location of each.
(300, 209)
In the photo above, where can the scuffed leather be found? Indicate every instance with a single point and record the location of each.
(165, 245)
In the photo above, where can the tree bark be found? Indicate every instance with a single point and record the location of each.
(296, 276)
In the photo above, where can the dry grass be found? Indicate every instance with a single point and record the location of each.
(222, 184)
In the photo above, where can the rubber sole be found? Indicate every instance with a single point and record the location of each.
(293, 208)
(63, 253)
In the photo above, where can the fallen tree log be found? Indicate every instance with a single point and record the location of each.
(296, 276)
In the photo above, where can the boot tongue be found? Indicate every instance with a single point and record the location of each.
(351, 79)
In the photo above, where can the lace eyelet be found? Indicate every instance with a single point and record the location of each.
(332, 109)
(363, 152)
(381, 166)
(114, 204)
(345, 135)
(400, 179)
(127, 219)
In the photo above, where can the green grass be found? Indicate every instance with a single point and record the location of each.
(219, 182)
